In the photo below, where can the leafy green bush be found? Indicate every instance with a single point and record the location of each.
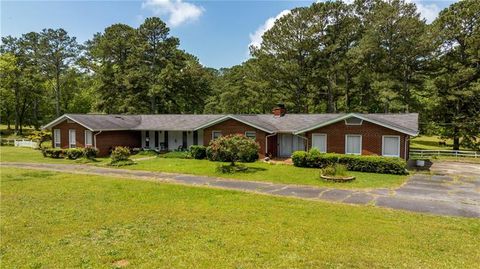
(40, 137)
(90, 153)
(198, 152)
(233, 148)
(73, 153)
(176, 155)
(120, 154)
(299, 158)
(336, 170)
(374, 164)
(55, 153)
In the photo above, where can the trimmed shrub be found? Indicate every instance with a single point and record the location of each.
(73, 153)
(55, 153)
(373, 164)
(90, 153)
(198, 152)
(233, 148)
(120, 154)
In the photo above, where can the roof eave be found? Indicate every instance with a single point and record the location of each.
(360, 117)
(226, 117)
(62, 118)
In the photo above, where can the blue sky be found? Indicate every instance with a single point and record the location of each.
(218, 32)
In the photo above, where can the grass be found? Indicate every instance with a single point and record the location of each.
(10, 134)
(431, 143)
(258, 171)
(55, 220)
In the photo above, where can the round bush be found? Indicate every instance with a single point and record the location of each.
(198, 152)
(90, 152)
(233, 148)
(120, 154)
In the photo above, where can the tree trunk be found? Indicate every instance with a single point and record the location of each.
(57, 92)
(35, 114)
(456, 138)
(152, 105)
(330, 107)
(347, 92)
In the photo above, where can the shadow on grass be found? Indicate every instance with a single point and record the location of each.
(28, 176)
(238, 168)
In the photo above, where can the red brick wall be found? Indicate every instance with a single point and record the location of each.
(371, 137)
(231, 126)
(64, 126)
(105, 140)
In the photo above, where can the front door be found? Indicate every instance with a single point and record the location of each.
(285, 144)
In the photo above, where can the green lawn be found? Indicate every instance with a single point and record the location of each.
(431, 143)
(54, 220)
(258, 171)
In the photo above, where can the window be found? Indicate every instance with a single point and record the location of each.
(353, 144)
(216, 134)
(391, 145)
(57, 138)
(72, 138)
(353, 121)
(319, 141)
(88, 138)
(251, 134)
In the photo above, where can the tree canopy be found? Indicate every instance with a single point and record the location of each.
(367, 56)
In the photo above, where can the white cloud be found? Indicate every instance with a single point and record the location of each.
(178, 12)
(427, 11)
(256, 38)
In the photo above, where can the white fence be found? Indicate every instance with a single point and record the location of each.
(25, 143)
(415, 153)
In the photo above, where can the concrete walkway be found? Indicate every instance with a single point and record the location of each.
(448, 194)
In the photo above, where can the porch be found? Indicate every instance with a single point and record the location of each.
(170, 140)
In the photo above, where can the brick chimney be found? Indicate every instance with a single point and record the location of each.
(279, 110)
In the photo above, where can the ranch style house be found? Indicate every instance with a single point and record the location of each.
(278, 134)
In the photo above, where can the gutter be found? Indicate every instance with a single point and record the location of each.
(95, 139)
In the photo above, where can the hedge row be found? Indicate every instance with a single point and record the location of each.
(373, 164)
(72, 154)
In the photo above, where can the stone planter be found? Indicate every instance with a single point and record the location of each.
(337, 179)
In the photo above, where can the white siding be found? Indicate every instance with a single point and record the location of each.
(152, 139)
(174, 139)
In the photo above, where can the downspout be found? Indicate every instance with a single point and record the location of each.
(95, 139)
(266, 142)
(407, 138)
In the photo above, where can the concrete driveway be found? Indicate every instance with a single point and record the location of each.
(454, 189)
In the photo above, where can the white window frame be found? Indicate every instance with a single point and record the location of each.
(357, 124)
(251, 132)
(383, 145)
(57, 138)
(361, 143)
(326, 145)
(88, 133)
(70, 138)
(213, 134)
